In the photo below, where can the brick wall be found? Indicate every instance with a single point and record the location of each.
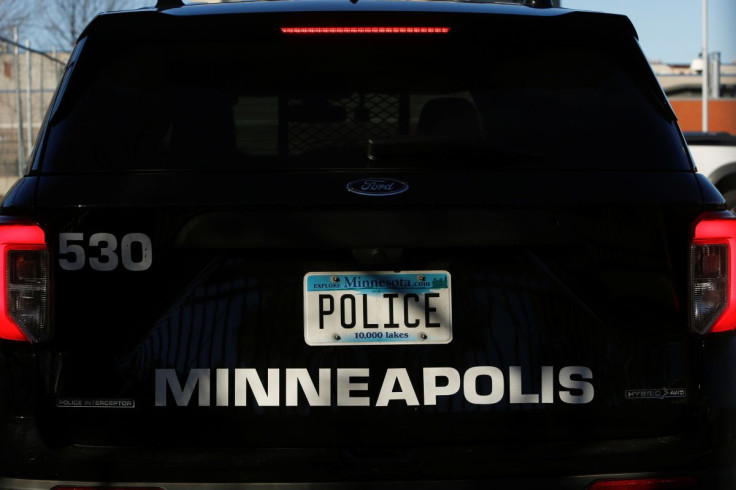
(721, 114)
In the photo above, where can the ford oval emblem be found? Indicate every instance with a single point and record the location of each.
(377, 187)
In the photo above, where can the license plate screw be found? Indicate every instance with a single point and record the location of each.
(421, 277)
(335, 279)
(422, 336)
(336, 337)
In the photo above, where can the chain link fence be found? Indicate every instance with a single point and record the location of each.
(28, 79)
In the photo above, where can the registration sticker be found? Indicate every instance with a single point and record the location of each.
(377, 308)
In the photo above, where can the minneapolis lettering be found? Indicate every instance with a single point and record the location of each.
(352, 387)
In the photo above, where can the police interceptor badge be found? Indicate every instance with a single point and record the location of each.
(377, 308)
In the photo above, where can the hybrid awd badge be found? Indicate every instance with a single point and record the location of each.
(377, 187)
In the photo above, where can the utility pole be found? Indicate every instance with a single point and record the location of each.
(19, 104)
(706, 67)
(58, 69)
(41, 103)
(29, 100)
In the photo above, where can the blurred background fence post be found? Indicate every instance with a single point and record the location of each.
(28, 80)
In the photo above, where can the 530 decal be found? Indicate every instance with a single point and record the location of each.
(134, 251)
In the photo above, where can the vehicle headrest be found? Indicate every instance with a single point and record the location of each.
(449, 116)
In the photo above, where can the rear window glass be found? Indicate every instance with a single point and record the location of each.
(314, 102)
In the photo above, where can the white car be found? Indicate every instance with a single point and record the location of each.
(715, 157)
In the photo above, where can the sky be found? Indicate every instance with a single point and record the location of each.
(671, 30)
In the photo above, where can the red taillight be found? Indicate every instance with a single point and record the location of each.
(366, 30)
(646, 484)
(24, 302)
(713, 273)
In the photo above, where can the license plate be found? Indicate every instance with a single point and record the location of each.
(372, 308)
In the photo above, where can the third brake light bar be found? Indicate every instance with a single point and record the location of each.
(366, 30)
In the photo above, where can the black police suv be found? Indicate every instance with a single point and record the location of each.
(365, 244)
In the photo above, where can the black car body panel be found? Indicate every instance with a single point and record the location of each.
(200, 165)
